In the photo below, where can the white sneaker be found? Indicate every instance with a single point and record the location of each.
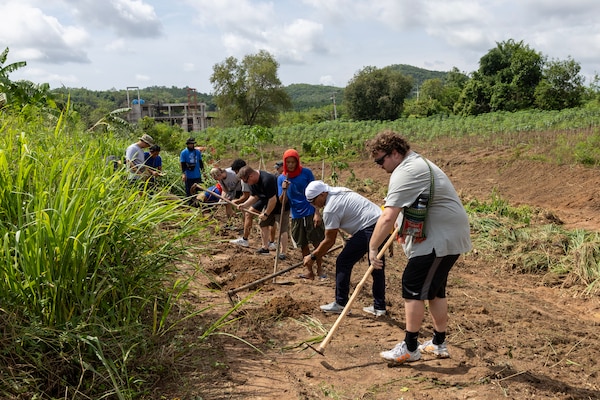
(333, 308)
(272, 246)
(240, 241)
(372, 310)
(439, 350)
(400, 354)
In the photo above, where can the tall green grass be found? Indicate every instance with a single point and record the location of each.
(86, 263)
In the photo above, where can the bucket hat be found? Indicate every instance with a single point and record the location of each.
(147, 139)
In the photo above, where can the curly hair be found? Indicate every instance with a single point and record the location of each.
(387, 141)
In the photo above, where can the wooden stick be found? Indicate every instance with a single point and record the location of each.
(250, 210)
(283, 271)
(277, 252)
(357, 289)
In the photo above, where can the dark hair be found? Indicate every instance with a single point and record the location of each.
(237, 164)
(155, 148)
(387, 141)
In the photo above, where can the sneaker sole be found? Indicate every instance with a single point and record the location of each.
(374, 314)
(400, 360)
(434, 353)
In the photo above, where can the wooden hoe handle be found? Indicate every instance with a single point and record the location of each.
(357, 289)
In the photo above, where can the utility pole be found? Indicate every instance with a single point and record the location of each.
(334, 107)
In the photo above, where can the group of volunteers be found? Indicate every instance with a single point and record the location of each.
(143, 167)
(421, 209)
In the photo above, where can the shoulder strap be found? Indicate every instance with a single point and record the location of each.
(430, 179)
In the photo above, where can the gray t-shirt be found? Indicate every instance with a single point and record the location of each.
(135, 154)
(231, 184)
(349, 211)
(447, 224)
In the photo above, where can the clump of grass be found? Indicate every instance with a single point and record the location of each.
(506, 233)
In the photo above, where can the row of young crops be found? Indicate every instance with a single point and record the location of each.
(88, 278)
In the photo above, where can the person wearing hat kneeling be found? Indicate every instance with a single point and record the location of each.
(134, 159)
(191, 168)
(344, 209)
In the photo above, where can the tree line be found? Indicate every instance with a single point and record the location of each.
(511, 76)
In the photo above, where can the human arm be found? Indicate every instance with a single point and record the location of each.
(317, 218)
(183, 169)
(323, 248)
(385, 225)
(249, 202)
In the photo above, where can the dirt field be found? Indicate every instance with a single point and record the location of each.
(510, 335)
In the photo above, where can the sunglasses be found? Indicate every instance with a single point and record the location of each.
(312, 200)
(380, 160)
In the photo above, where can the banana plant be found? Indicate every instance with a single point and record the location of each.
(113, 122)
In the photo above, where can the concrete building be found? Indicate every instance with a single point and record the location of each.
(190, 116)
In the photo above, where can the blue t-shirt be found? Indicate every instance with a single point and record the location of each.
(299, 206)
(152, 162)
(193, 162)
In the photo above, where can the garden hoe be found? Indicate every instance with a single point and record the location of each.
(225, 199)
(250, 285)
(321, 348)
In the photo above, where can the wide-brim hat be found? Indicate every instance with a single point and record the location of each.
(147, 139)
(190, 141)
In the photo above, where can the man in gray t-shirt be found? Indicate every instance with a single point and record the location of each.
(354, 214)
(419, 187)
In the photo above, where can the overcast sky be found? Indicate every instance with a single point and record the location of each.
(106, 44)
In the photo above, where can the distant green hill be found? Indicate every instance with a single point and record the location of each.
(419, 75)
(304, 96)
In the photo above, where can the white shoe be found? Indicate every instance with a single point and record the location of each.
(272, 246)
(372, 310)
(439, 350)
(400, 354)
(240, 241)
(333, 308)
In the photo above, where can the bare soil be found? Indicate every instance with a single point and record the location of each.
(511, 335)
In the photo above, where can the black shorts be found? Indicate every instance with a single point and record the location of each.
(425, 277)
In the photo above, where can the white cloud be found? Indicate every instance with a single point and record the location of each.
(327, 80)
(29, 32)
(130, 18)
(105, 43)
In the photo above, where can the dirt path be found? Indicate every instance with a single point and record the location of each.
(510, 335)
